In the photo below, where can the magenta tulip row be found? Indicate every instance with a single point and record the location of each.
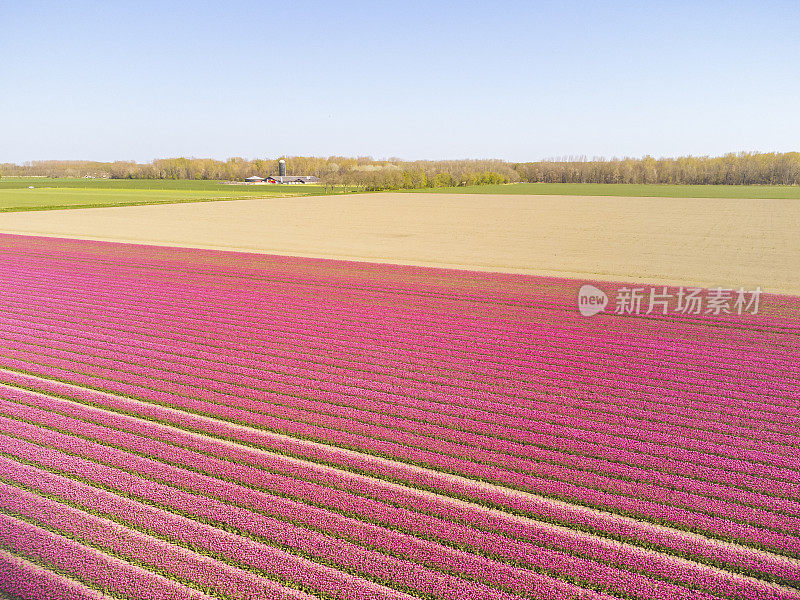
(343, 288)
(723, 440)
(532, 333)
(167, 559)
(562, 422)
(92, 567)
(425, 288)
(339, 383)
(303, 372)
(291, 270)
(786, 506)
(327, 400)
(757, 536)
(364, 487)
(161, 294)
(511, 501)
(236, 548)
(615, 449)
(23, 579)
(204, 510)
(602, 346)
(486, 333)
(717, 517)
(385, 287)
(263, 479)
(739, 408)
(640, 445)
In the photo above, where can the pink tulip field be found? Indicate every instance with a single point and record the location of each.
(184, 423)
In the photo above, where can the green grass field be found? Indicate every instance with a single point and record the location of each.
(625, 189)
(63, 193)
(134, 184)
(53, 194)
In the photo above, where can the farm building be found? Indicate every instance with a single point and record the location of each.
(292, 179)
(282, 177)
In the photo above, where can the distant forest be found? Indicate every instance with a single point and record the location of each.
(744, 168)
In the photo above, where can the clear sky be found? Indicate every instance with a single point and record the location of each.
(116, 80)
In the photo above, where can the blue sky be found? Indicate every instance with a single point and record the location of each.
(514, 80)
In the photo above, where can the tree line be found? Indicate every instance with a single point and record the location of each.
(744, 168)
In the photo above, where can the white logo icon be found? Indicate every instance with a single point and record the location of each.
(591, 300)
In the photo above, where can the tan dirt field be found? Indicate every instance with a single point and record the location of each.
(681, 241)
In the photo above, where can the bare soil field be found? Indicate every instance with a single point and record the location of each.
(678, 241)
